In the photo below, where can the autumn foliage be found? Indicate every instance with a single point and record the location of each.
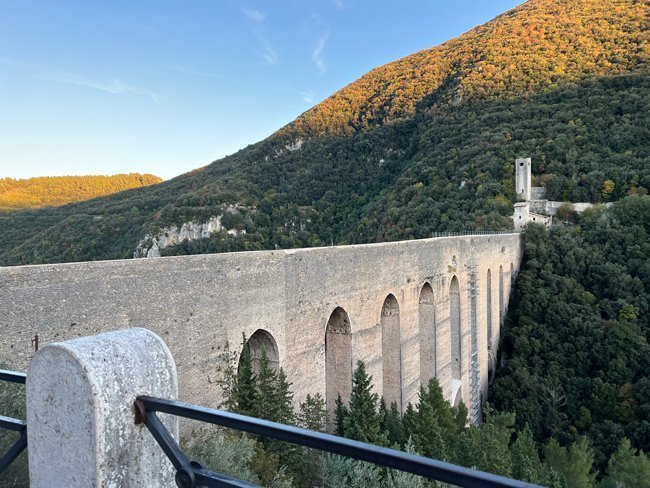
(49, 191)
(534, 47)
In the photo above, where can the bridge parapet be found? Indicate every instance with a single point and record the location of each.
(81, 429)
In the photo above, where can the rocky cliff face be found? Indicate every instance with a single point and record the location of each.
(151, 245)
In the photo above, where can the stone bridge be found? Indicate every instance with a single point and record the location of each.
(410, 310)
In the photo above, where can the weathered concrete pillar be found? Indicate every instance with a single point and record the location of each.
(81, 429)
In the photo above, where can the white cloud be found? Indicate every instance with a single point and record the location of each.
(253, 15)
(342, 4)
(205, 74)
(307, 96)
(317, 53)
(268, 54)
(113, 86)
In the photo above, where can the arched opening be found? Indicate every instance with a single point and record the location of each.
(391, 352)
(454, 316)
(427, 324)
(512, 275)
(262, 343)
(501, 302)
(490, 334)
(338, 359)
(488, 307)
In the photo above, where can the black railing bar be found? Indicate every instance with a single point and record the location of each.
(205, 477)
(12, 376)
(166, 441)
(181, 463)
(403, 461)
(15, 450)
(8, 423)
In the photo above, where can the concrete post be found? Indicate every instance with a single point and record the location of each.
(81, 429)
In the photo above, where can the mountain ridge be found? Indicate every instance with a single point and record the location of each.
(445, 166)
(613, 25)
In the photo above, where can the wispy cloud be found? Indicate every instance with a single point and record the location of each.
(307, 96)
(342, 4)
(113, 86)
(268, 54)
(253, 15)
(205, 74)
(317, 53)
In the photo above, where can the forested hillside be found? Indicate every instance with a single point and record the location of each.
(535, 47)
(426, 143)
(48, 191)
(575, 353)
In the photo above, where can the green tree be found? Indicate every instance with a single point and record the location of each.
(487, 447)
(313, 413)
(431, 425)
(244, 389)
(627, 468)
(391, 425)
(341, 412)
(363, 422)
(573, 463)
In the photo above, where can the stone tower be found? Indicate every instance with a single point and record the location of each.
(522, 178)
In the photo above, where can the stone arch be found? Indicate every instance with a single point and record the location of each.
(455, 329)
(259, 343)
(501, 301)
(427, 325)
(338, 359)
(391, 352)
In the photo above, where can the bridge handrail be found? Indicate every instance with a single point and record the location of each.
(461, 233)
(9, 423)
(191, 474)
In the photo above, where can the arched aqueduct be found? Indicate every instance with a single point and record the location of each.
(410, 310)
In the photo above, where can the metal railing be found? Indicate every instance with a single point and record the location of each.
(16, 425)
(190, 474)
(461, 233)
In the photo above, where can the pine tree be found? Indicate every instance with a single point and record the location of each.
(487, 447)
(244, 391)
(392, 426)
(362, 421)
(283, 399)
(268, 404)
(313, 416)
(572, 463)
(313, 413)
(526, 464)
(627, 468)
(340, 414)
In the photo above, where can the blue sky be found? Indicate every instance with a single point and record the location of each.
(163, 87)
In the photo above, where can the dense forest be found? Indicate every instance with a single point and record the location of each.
(426, 143)
(48, 191)
(575, 352)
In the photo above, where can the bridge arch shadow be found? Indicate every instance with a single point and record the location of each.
(427, 332)
(455, 341)
(260, 343)
(391, 352)
(338, 359)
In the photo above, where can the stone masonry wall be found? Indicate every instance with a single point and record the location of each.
(198, 304)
